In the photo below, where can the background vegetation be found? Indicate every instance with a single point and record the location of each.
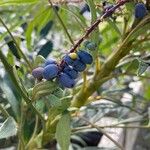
(116, 84)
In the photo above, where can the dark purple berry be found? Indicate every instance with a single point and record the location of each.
(50, 61)
(79, 65)
(140, 11)
(85, 57)
(71, 72)
(50, 71)
(66, 81)
(38, 73)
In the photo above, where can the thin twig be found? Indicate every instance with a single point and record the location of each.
(130, 74)
(102, 131)
(110, 126)
(119, 103)
(61, 22)
(66, 1)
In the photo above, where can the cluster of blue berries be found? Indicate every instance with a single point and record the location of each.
(67, 71)
(140, 11)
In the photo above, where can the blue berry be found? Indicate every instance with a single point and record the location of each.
(79, 65)
(66, 81)
(140, 11)
(86, 43)
(50, 71)
(38, 73)
(68, 60)
(85, 57)
(71, 72)
(91, 46)
(50, 61)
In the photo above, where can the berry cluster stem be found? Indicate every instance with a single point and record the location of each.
(96, 23)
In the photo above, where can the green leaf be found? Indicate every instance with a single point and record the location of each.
(10, 97)
(43, 89)
(140, 29)
(10, 58)
(113, 24)
(52, 113)
(65, 103)
(142, 67)
(15, 23)
(63, 131)
(13, 49)
(46, 49)
(58, 92)
(13, 76)
(132, 65)
(39, 60)
(74, 11)
(35, 23)
(14, 79)
(54, 101)
(17, 2)
(96, 33)
(8, 128)
(44, 31)
(40, 105)
(137, 118)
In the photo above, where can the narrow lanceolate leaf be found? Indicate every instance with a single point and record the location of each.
(95, 34)
(44, 31)
(10, 97)
(39, 60)
(142, 68)
(115, 27)
(46, 49)
(15, 2)
(65, 103)
(58, 92)
(43, 89)
(63, 131)
(8, 128)
(13, 49)
(54, 100)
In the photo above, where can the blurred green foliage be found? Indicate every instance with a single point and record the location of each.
(32, 112)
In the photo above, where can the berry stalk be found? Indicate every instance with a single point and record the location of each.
(96, 23)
